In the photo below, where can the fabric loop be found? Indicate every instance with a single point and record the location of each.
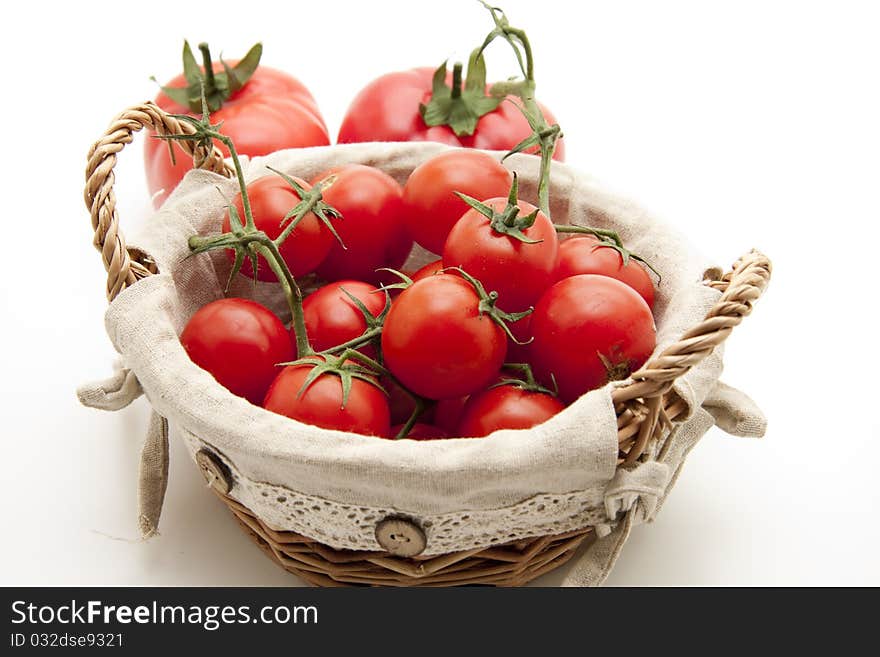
(645, 484)
(153, 476)
(112, 394)
(735, 412)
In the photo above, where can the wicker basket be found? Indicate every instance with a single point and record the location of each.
(646, 408)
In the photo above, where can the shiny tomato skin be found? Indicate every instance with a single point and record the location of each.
(431, 206)
(585, 254)
(372, 226)
(520, 272)
(420, 431)
(240, 342)
(304, 249)
(365, 412)
(272, 111)
(582, 320)
(437, 343)
(428, 270)
(332, 318)
(505, 407)
(387, 109)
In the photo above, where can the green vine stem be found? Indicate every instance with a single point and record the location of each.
(245, 239)
(544, 135)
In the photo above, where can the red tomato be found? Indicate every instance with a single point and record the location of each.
(419, 431)
(332, 318)
(365, 412)
(506, 407)
(520, 272)
(240, 342)
(372, 226)
(448, 412)
(436, 341)
(271, 198)
(272, 111)
(428, 270)
(431, 206)
(589, 330)
(387, 109)
(585, 254)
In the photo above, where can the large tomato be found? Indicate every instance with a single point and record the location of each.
(271, 198)
(585, 254)
(589, 330)
(271, 111)
(438, 343)
(387, 109)
(519, 271)
(321, 403)
(372, 226)
(332, 318)
(506, 407)
(432, 208)
(240, 342)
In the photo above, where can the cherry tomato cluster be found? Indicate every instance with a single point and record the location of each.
(501, 331)
(515, 318)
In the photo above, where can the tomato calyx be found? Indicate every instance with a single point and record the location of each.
(611, 240)
(507, 222)
(615, 371)
(218, 86)
(528, 383)
(344, 366)
(488, 307)
(310, 201)
(459, 107)
(374, 323)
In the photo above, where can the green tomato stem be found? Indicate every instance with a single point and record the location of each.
(413, 418)
(210, 80)
(354, 343)
(586, 230)
(270, 252)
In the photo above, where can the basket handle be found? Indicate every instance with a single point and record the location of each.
(123, 267)
(647, 404)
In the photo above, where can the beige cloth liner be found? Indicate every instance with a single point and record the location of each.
(574, 451)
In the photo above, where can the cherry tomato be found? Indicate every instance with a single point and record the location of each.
(519, 271)
(432, 208)
(271, 198)
(239, 342)
(420, 431)
(437, 342)
(585, 254)
(372, 226)
(271, 111)
(428, 270)
(321, 404)
(387, 109)
(589, 330)
(332, 318)
(506, 407)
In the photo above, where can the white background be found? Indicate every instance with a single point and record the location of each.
(744, 124)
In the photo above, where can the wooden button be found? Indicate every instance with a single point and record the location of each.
(401, 537)
(215, 472)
